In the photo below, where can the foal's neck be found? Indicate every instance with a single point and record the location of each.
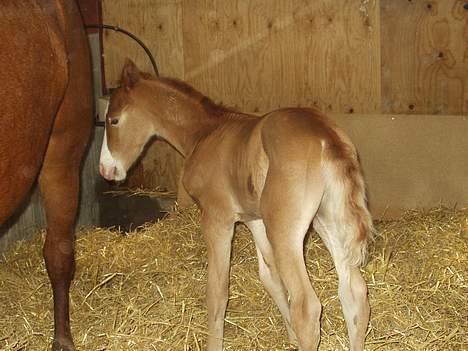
(184, 116)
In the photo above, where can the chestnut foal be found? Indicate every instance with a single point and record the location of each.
(276, 173)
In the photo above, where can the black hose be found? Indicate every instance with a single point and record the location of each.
(121, 30)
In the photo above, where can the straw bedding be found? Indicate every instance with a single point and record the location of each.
(145, 290)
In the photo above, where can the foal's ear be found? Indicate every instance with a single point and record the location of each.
(130, 74)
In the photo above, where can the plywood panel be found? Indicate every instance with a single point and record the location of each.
(343, 56)
(407, 161)
(424, 56)
(158, 23)
(258, 55)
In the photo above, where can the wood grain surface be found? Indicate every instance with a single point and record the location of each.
(342, 56)
(424, 56)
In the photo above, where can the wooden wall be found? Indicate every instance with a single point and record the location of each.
(343, 56)
(424, 56)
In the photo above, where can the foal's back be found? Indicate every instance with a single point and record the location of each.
(235, 157)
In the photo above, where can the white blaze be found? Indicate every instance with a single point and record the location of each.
(110, 168)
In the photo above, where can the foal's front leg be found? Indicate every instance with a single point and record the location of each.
(218, 233)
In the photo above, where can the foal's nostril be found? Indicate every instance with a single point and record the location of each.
(108, 173)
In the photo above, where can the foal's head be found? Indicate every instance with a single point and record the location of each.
(128, 126)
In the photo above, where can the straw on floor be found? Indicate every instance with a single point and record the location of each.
(145, 290)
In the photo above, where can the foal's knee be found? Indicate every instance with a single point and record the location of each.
(354, 289)
(360, 289)
(305, 309)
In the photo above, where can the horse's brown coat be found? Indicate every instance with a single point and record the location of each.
(45, 124)
(276, 173)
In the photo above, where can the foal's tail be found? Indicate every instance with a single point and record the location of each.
(345, 196)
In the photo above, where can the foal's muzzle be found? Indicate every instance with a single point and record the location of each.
(109, 167)
(107, 172)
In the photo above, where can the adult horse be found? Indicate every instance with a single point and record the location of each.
(45, 124)
(276, 173)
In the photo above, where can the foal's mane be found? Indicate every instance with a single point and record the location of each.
(188, 91)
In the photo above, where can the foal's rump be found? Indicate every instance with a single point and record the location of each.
(322, 162)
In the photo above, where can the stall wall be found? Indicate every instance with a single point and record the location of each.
(365, 59)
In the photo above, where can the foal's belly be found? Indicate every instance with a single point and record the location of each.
(249, 196)
(247, 216)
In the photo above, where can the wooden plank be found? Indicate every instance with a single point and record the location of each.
(424, 56)
(158, 23)
(90, 12)
(408, 163)
(258, 55)
(343, 56)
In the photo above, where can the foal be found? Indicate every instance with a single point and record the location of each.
(276, 173)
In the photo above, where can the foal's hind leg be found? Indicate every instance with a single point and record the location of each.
(305, 307)
(269, 274)
(352, 288)
(286, 225)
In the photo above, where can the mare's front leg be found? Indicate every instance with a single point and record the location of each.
(59, 185)
(218, 230)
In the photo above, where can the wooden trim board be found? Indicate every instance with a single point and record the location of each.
(411, 161)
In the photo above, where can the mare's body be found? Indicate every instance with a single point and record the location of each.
(277, 173)
(46, 120)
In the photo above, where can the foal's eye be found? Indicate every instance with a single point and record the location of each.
(114, 121)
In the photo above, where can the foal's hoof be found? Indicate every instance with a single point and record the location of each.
(292, 338)
(63, 345)
(291, 347)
